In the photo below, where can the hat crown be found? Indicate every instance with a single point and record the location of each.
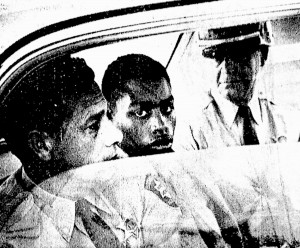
(218, 41)
(232, 32)
(262, 30)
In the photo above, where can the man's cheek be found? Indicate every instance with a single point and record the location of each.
(173, 119)
(83, 146)
(122, 122)
(136, 129)
(95, 153)
(141, 132)
(171, 123)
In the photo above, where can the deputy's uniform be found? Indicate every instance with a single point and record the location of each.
(218, 125)
(8, 161)
(150, 204)
(222, 123)
(32, 217)
(110, 212)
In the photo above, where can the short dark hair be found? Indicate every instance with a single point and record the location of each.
(137, 67)
(45, 98)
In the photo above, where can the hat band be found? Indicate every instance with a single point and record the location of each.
(215, 42)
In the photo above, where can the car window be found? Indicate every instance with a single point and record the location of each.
(193, 76)
(178, 49)
(159, 47)
(222, 186)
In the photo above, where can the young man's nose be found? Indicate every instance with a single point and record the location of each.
(112, 134)
(158, 123)
(161, 131)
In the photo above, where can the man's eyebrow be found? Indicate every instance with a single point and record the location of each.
(169, 99)
(96, 116)
(150, 104)
(141, 103)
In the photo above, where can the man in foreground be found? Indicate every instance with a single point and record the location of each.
(140, 104)
(55, 120)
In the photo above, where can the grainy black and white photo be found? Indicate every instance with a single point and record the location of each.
(150, 123)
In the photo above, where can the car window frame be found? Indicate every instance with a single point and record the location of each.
(118, 25)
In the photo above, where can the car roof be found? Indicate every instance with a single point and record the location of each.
(36, 31)
(20, 18)
(35, 14)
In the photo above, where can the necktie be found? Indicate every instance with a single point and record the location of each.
(98, 231)
(249, 134)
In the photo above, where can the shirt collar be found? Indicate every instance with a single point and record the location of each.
(255, 108)
(60, 210)
(229, 109)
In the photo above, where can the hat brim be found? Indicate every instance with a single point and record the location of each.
(234, 48)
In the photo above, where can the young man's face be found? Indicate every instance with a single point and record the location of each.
(241, 74)
(145, 114)
(89, 136)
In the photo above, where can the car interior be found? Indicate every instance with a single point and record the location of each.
(169, 33)
(177, 47)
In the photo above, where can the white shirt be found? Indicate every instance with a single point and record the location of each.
(235, 123)
(38, 218)
(216, 125)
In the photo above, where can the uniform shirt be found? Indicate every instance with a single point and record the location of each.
(219, 126)
(8, 161)
(137, 212)
(32, 217)
(140, 207)
(256, 190)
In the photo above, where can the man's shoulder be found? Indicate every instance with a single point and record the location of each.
(205, 109)
(210, 102)
(209, 113)
(284, 116)
(15, 202)
(276, 108)
(266, 101)
(20, 221)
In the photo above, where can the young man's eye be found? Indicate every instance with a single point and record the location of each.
(167, 109)
(141, 113)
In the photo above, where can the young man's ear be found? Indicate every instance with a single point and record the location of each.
(41, 144)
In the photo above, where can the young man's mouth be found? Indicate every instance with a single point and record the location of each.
(162, 144)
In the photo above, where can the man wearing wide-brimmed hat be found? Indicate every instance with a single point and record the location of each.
(236, 113)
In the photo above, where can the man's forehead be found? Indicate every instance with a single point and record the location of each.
(89, 105)
(154, 91)
(150, 103)
(91, 98)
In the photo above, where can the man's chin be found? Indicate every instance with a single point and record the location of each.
(118, 154)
